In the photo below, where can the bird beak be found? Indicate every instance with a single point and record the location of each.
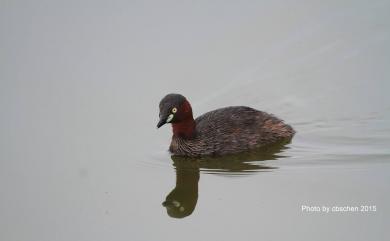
(161, 122)
(167, 204)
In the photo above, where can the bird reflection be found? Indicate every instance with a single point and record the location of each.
(181, 201)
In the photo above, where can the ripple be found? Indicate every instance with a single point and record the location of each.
(159, 160)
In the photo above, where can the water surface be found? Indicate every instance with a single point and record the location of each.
(80, 156)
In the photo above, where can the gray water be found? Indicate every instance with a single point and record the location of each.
(80, 155)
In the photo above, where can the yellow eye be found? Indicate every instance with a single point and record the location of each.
(174, 110)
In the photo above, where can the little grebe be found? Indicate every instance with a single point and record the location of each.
(223, 131)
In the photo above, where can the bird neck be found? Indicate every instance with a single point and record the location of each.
(184, 129)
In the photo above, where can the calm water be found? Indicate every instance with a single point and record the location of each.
(80, 155)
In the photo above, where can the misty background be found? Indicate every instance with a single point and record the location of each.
(80, 82)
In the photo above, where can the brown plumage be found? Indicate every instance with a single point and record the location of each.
(223, 131)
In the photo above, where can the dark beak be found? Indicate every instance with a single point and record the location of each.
(161, 122)
(167, 204)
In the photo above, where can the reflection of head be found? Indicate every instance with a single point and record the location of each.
(181, 201)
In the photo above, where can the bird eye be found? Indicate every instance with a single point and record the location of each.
(174, 110)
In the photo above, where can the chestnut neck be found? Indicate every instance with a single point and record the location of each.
(185, 128)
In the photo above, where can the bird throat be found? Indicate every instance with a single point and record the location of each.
(184, 129)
